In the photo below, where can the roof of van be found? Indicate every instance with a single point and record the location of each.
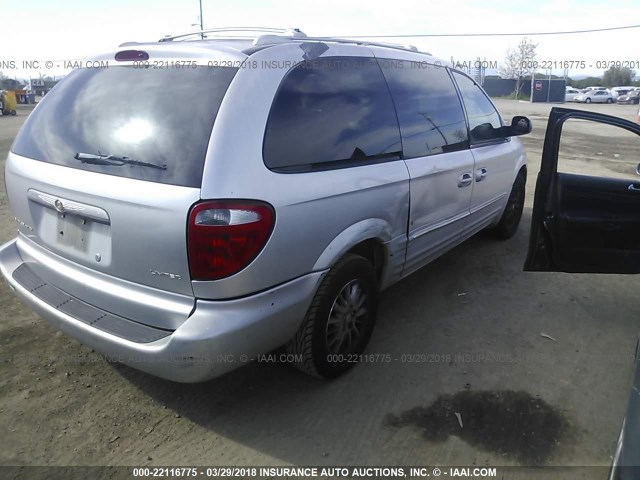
(244, 41)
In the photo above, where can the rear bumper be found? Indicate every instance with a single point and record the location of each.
(218, 336)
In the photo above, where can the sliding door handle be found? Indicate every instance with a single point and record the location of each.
(465, 180)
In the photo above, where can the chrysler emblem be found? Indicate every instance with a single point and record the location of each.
(58, 205)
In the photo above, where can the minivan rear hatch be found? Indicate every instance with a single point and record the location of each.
(104, 172)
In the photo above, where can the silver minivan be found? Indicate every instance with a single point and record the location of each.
(184, 206)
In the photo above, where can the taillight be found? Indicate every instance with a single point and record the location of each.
(225, 236)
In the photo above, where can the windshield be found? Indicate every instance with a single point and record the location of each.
(157, 116)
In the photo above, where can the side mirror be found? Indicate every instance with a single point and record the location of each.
(485, 131)
(519, 126)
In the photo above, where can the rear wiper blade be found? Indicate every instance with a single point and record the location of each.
(113, 160)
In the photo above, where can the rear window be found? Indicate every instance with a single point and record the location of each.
(159, 116)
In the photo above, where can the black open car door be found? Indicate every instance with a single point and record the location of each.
(583, 224)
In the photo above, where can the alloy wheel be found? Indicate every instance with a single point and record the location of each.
(346, 318)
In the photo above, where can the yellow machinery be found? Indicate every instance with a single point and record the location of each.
(8, 102)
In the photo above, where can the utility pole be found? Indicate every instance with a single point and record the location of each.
(201, 25)
(533, 77)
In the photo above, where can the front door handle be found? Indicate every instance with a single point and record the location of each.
(465, 180)
(634, 187)
(480, 174)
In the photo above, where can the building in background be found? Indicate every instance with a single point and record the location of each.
(42, 86)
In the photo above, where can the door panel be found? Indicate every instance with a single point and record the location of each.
(597, 228)
(440, 198)
(435, 148)
(493, 177)
(584, 223)
(494, 159)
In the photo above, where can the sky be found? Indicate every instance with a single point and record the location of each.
(71, 29)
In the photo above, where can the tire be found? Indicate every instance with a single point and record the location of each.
(13, 113)
(508, 224)
(588, 100)
(321, 346)
(609, 100)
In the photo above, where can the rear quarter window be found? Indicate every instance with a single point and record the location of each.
(332, 112)
(159, 116)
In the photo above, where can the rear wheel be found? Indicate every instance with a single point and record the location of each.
(609, 100)
(512, 214)
(588, 100)
(339, 321)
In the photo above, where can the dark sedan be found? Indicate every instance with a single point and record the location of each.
(630, 98)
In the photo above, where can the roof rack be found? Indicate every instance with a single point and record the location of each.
(268, 36)
(289, 32)
(265, 39)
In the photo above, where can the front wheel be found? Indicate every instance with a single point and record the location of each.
(512, 214)
(340, 320)
(588, 100)
(609, 100)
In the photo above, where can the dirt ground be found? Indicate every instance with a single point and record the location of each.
(464, 334)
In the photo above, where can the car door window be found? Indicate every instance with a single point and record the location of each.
(480, 110)
(330, 113)
(591, 148)
(429, 110)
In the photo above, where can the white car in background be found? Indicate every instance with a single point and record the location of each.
(590, 89)
(594, 96)
(618, 91)
(570, 94)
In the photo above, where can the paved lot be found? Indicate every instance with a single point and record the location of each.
(464, 335)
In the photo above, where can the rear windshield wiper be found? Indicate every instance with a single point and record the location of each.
(114, 160)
